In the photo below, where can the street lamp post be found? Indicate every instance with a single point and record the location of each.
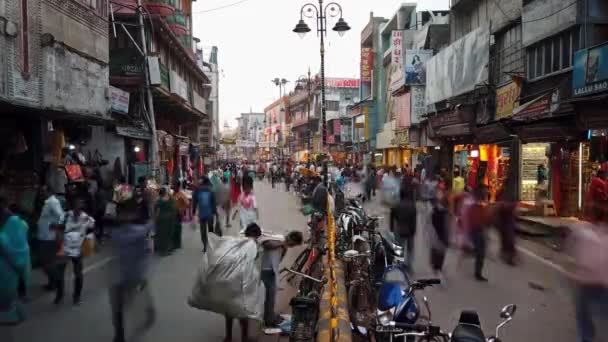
(321, 13)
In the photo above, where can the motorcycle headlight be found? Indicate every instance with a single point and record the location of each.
(385, 317)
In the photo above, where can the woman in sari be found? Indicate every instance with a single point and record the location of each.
(15, 266)
(166, 217)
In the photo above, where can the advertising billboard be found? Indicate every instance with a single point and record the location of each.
(590, 70)
(415, 66)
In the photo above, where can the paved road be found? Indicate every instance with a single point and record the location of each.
(543, 315)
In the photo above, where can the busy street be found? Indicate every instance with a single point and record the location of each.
(543, 296)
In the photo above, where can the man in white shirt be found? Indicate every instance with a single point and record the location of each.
(77, 225)
(52, 214)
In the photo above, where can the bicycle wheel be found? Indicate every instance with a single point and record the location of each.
(361, 304)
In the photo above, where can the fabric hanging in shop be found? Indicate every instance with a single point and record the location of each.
(57, 145)
(555, 181)
(201, 167)
(118, 175)
(598, 149)
(170, 167)
(194, 151)
(20, 143)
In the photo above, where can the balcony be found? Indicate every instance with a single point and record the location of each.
(177, 23)
(126, 62)
(163, 8)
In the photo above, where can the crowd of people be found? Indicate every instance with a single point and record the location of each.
(441, 207)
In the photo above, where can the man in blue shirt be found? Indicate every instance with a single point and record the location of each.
(204, 201)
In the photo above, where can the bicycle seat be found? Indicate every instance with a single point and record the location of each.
(467, 333)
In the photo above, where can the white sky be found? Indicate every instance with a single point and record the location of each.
(256, 44)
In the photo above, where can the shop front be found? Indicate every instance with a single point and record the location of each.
(483, 167)
(553, 166)
(444, 131)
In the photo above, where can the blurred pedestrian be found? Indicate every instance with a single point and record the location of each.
(403, 225)
(51, 214)
(588, 246)
(182, 203)
(222, 194)
(475, 223)
(440, 234)
(15, 266)
(76, 226)
(504, 218)
(247, 204)
(165, 218)
(204, 202)
(129, 242)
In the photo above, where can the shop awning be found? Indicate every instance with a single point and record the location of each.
(553, 130)
(492, 133)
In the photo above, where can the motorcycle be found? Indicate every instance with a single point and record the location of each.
(467, 330)
(469, 326)
(397, 303)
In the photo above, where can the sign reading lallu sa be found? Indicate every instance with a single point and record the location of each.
(590, 70)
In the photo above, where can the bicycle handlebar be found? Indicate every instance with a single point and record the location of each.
(320, 281)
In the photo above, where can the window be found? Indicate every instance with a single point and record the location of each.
(25, 41)
(553, 54)
(333, 106)
(556, 55)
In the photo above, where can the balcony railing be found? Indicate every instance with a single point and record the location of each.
(164, 8)
(178, 23)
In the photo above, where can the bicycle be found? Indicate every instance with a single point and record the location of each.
(360, 291)
(305, 307)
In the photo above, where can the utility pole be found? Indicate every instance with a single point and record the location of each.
(150, 100)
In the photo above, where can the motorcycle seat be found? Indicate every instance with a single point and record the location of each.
(467, 333)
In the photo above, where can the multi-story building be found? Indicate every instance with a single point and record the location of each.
(54, 90)
(180, 87)
(209, 126)
(304, 114)
(275, 116)
(365, 118)
(512, 91)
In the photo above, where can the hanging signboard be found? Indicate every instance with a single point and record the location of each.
(367, 64)
(119, 100)
(507, 99)
(418, 104)
(245, 143)
(590, 70)
(397, 46)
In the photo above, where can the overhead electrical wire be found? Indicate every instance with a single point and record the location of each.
(221, 7)
(552, 14)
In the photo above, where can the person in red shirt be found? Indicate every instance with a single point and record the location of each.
(475, 222)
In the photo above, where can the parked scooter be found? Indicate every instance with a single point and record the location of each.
(467, 330)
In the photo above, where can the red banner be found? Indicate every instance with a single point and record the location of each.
(342, 83)
(367, 64)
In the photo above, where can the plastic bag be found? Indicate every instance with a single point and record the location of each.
(228, 280)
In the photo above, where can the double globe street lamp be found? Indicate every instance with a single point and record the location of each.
(321, 13)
